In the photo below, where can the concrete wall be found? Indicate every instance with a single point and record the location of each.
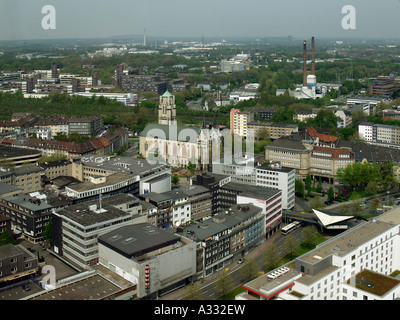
(165, 269)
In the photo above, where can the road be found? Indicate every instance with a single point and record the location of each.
(195, 105)
(132, 151)
(208, 285)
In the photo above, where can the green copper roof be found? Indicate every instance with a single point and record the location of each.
(167, 94)
(163, 128)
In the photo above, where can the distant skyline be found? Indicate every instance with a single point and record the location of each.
(21, 19)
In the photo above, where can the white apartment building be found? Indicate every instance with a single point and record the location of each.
(355, 265)
(271, 208)
(386, 134)
(239, 121)
(181, 207)
(345, 118)
(43, 133)
(281, 178)
(125, 98)
(79, 226)
(233, 65)
(275, 176)
(237, 96)
(303, 115)
(365, 130)
(383, 133)
(368, 105)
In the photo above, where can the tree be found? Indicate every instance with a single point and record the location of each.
(307, 183)
(319, 185)
(263, 134)
(290, 245)
(346, 133)
(193, 292)
(191, 167)
(331, 194)
(224, 283)
(376, 203)
(325, 119)
(249, 269)
(271, 257)
(299, 188)
(175, 180)
(356, 137)
(372, 187)
(345, 209)
(6, 238)
(307, 233)
(48, 231)
(357, 175)
(283, 115)
(260, 146)
(316, 203)
(388, 179)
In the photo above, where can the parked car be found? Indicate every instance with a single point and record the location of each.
(26, 287)
(241, 260)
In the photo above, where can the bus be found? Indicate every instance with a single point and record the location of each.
(290, 227)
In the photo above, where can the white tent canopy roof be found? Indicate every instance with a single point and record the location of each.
(329, 219)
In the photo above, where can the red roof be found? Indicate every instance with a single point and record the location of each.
(322, 137)
(335, 152)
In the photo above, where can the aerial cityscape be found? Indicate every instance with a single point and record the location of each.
(183, 153)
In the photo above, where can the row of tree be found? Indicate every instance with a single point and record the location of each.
(272, 258)
(372, 177)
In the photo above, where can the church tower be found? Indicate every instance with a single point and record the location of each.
(167, 109)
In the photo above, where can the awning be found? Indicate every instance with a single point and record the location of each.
(330, 219)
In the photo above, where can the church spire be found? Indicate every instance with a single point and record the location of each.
(214, 123)
(204, 126)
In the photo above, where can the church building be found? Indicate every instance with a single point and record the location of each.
(175, 144)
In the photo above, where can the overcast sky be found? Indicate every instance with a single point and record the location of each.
(22, 19)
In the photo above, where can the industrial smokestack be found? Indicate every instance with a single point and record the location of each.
(313, 57)
(305, 64)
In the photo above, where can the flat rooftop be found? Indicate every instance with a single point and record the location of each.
(391, 216)
(9, 250)
(375, 283)
(110, 180)
(14, 152)
(121, 164)
(251, 190)
(347, 242)
(26, 201)
(7, 188)
(205, 229)
(138, 239)
(95, 287)
(81, 214)
(263, 284)
(221, 221)
(156, 197)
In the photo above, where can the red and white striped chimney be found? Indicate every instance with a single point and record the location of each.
(305, 63)
(313, 57)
